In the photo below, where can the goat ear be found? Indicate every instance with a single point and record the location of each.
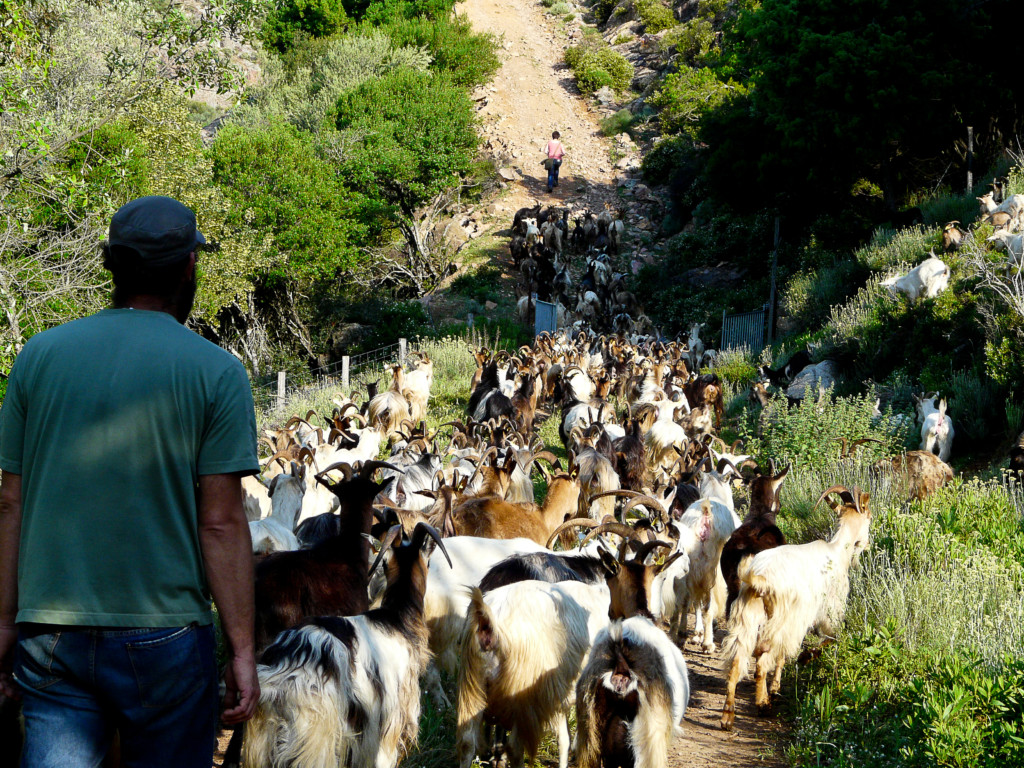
(608, 561)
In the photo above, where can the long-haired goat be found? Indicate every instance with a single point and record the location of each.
(633, 692)
(788, 590)
(345, 691)
(389, 409)
(275, 533)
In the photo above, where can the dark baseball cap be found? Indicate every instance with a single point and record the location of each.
(160, 229)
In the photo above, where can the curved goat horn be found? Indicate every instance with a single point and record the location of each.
(844, 493)
(575, 522)
(647, 548)
(369, 467)
(617, 528)
(394, 532)
(419, 535)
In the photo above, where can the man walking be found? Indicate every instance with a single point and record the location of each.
(123, 438)
(555, 152)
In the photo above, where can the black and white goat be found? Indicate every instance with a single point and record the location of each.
(345, 690)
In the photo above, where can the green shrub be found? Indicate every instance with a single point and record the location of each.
(666, 158)
(889, 249)
(655, 16)
(289, 19)
(560, 9)
(691, 41)
(469, 58)
(976, 407)
(623, 38)
(809, 434)
(596, 65)
(277, 183)
(809, 295)
(736, 366)
(685, 96)
(618, 123)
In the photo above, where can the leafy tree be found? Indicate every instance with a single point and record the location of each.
(278, 184)
(410, 139)
(874, 89)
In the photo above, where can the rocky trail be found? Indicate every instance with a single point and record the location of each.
(532, 95)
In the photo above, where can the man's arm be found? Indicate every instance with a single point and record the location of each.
(10, 539)
(227, 554)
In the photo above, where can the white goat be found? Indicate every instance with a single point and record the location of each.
(703, 530)
(276, 532)
(1013, 205)
(255, 498)
(446, 599)
(788, 590)
(928, 279)
(552, 234)
(532, 232)
(1012, 244)
(524, 648)
(936, 427)
(696, 345)
(416, 389)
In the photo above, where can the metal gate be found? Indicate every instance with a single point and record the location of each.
(546, 318)
(745, 329)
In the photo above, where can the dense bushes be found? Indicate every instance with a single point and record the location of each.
(809, 434)
(596, 65)
(468, 58)
(656, 16)
(290, 20)
(278, 184)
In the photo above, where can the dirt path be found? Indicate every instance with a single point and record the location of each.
(532, 95)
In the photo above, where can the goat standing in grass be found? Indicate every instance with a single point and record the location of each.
(787, 590)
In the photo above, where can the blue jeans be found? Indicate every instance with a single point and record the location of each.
(553, 173)
(156, 687)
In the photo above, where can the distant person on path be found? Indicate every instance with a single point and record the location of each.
(123, 440)
(555, 152)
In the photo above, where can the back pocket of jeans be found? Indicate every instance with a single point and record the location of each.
(34, 666)
(167, 669)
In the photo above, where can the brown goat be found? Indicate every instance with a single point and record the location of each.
(492, 518)
(922, 471)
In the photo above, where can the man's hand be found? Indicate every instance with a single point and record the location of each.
(243, 690)
(8, 639)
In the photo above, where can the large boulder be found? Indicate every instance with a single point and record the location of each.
(813, 379)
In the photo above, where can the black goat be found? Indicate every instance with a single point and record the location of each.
(631, 458)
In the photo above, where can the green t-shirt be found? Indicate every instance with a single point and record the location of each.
(110, 420)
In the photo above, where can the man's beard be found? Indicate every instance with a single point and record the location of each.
(185, 298)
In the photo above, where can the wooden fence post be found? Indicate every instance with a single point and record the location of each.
(344, 371)
(280, 388)
(970, 158)
(403, 348)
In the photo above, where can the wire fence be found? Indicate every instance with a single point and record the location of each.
(273, 394)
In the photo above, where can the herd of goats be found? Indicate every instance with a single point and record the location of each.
(542, 247)
(374, 577)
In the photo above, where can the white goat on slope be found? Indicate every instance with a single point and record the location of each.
(788, 590)
(936, 427)
(928, 279)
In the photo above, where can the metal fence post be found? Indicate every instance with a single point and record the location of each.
(280, 388)
(403, 347)
(344, 371)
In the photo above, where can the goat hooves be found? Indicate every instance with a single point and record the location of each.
(708, 647)
(764, 710)
(727, 720)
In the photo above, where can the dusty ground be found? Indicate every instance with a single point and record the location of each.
(532, 95)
